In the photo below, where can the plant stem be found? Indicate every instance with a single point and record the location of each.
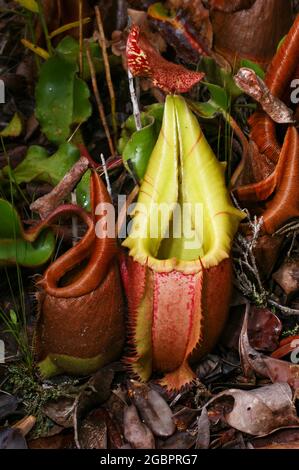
(44, 26)
(98, 98)
(102, 43)
(80, 38)
(136, 111)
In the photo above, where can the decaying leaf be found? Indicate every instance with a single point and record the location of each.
(203, 430)
(179, 440)
(259, 411)
(96, 392)
(8, 404)
(48, 203)
(287, 276)
(136, 432)
(265, 366)
(93, 431)
(254, 86)
(153, 409)
(12, 439)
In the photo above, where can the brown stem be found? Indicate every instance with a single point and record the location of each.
(98, 98)
(102, 43)
(45, 205)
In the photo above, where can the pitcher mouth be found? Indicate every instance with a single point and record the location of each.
(183, 171)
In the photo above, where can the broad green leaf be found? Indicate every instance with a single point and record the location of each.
(14, 248)
(14, 128)
(219, 96)
(39, 166)
(62, 99)
(29, 5)
(219, 76)
(55, 98)
(69, 49)
(253, 66)
(137, 146)
(82, 107)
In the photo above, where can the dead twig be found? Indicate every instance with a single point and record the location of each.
(45, 205)
(80, 37)
(103, 45)
(98, 98)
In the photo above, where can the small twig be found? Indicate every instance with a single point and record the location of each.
(245, 146)
(282, 308)
(44, 26)
(103, 45)
(98, 98)
(81, 37)
(136, 111)
(104, 166)
(45, 205)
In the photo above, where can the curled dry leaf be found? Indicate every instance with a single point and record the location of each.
(93, 431)
(153, 409)
(61, 411)
(203, 430)
(265, 366)
(254, 86)
(282, 438)
(96, 392)
(12, 439)
(136, 432)
(60, 441)
(259, 411)
(264, 329)
(8, 405)
(287, 276)
(145, 61)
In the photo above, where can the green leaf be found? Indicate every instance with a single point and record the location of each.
(82, 107)
(220, 76)
(62, 99)
(253, 66)
(137, 146)
(14, 249)
(29, 5)
(83, 191)
(219, 97)
(207, 110)
(14, 128)
(13, 317)
(69, 49)
(39, 166)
